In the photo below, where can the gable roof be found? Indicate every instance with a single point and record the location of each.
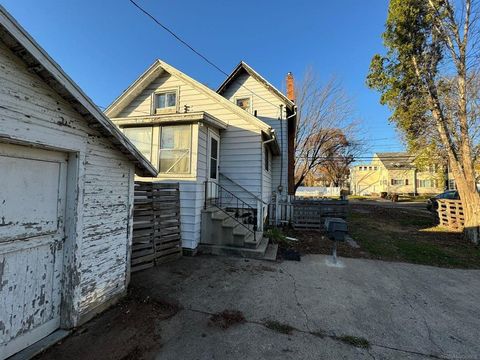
(154, 71)
(243, 66)
(38, 61)
(396, 160)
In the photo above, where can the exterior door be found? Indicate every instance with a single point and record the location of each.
(213, 163)
(32, 215)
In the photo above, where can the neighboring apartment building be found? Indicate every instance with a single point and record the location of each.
(395, 172)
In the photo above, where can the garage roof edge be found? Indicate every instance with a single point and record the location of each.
(37, 59)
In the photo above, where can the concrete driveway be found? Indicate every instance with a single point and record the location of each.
(404, 311)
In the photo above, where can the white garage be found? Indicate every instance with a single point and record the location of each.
(66, 197)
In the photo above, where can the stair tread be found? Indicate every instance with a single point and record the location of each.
(254, 253)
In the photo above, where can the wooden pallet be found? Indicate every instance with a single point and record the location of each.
(156, 224)
(450, 214)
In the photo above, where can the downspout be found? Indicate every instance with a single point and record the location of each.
(260, 203)
(281, 127)
(280, 119)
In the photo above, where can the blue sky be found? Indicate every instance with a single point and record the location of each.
(104, 45)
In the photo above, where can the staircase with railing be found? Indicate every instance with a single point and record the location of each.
(230, 224)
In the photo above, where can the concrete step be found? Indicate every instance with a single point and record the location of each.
(271, 252)
(219, 215)
(257, 253)
(250, 242)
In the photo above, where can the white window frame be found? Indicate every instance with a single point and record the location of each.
(245, 97)
(170, 109)
(160, 129)
(213, 135)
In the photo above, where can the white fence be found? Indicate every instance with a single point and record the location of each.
(317, 192)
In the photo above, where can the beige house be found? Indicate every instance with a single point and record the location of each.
(395, 172)
(230, 149)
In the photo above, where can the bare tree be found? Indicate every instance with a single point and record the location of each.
(324, 116)
(336, 168)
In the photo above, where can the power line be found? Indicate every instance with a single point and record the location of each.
(176, 36)
(171, 32)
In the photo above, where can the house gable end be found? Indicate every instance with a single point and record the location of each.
(192, 96)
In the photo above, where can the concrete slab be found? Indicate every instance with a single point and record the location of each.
(405, 311)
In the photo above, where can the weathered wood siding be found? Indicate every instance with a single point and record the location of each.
(32, 112)
(240, 150)
(268, 110)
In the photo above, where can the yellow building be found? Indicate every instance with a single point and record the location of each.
(395, 173)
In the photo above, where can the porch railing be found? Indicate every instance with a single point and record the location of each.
(216, 195)
(247, 196)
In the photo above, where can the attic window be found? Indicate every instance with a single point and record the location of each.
(245, 103)
(165, 100)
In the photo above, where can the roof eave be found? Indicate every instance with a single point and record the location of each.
(243, 65)
(38, 61)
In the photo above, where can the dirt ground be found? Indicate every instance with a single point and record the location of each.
(392, 234)
(127, 331)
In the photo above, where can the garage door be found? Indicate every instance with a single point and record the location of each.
(32, 212)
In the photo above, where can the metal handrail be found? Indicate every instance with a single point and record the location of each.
(217, 201)
(241, 187)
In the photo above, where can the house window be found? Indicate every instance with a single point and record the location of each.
(397, 181)
(267, 165)
(244, 103)
(175, 149)
(141, 137)
(213, 158)
(428, 183)
(165, 100)
(406, 181)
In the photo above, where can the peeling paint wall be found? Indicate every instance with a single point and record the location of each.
(99, 189)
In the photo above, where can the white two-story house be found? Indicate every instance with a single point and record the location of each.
(230, 150)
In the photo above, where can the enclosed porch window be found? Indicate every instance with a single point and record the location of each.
(175, 149)
(173, 144)
(141, 137)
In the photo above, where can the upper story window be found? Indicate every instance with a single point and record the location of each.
(166, 100)
(245, 103)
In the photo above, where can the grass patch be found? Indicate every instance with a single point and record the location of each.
(279, 327)
(409, 236)
(355, 341)
(423, 221)
(359, 197)
(421, 253)
(227, 318)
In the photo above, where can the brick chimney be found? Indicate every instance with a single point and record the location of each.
(290, 87)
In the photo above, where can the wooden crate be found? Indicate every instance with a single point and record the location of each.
(156, 224)
(450, 214)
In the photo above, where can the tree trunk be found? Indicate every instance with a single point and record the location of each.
(470, 202)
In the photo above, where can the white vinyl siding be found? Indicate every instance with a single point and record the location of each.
(267, 107)
(240, 150)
